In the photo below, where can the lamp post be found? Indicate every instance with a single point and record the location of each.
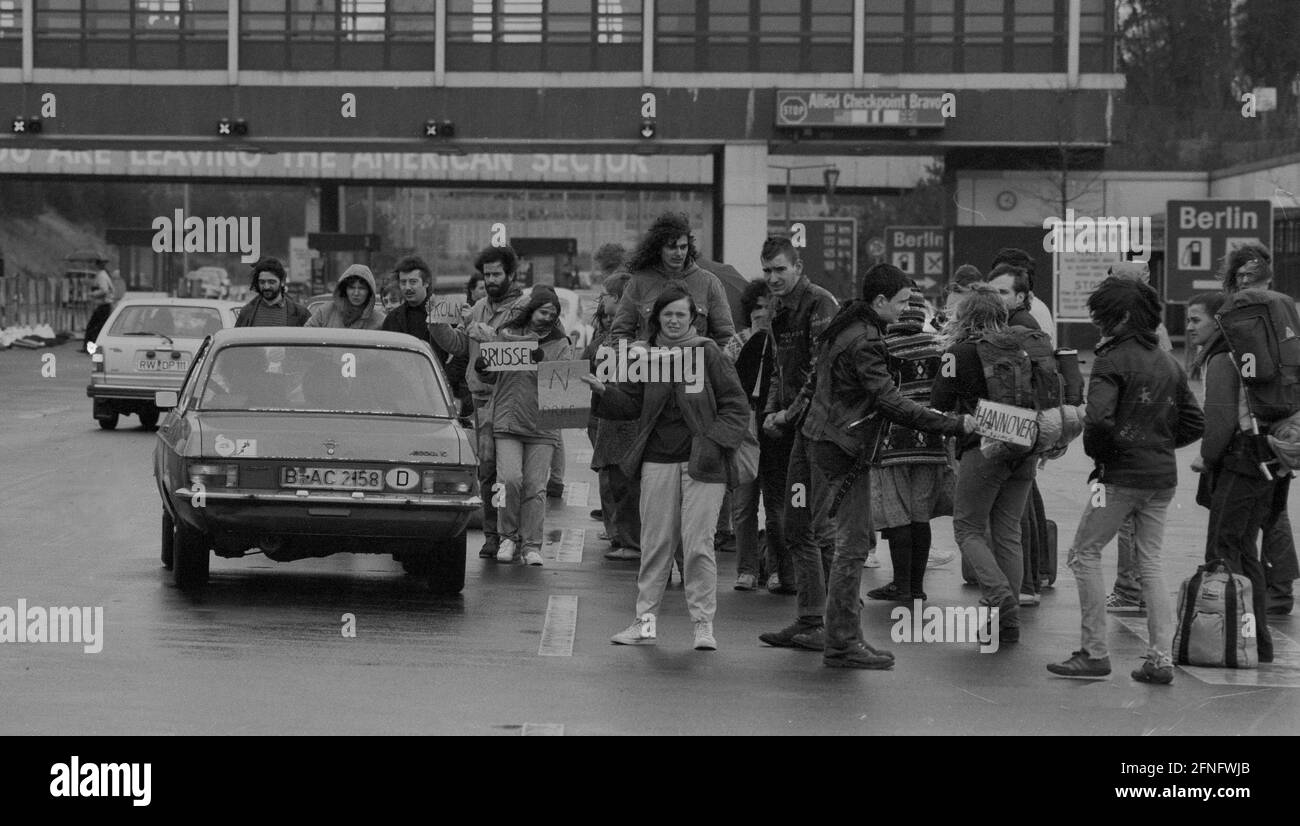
(831, 177)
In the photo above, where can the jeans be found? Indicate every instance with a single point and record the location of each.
(487, 465)
(1280, 564)
(620, 507)
(522, 467)
(744, 515)
(1128, 579)
(987, 509)
(1239, 507)
(810, 533)
(852, 527)
(678, 510)
(773, 468)
(1144, 509)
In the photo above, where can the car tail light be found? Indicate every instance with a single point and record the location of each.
(96, 362)
(447, 482)
(215, 474)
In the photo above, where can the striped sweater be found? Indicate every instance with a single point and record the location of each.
(914, 362)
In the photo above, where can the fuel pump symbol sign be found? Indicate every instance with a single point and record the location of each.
(1194, 253)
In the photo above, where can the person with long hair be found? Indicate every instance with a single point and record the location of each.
(355, 303)
(523, 447)
(686, 428)
(666, 258)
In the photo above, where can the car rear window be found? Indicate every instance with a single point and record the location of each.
(323, 379)
(174, 322)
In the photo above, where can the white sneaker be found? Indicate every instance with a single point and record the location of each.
(872, 561)
(640, 632)
(506, 551)
(704, 640)
(533, 558)
(940, 558)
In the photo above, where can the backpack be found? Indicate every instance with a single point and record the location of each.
(1020, 370)
(1262, 331)
(1214, 622)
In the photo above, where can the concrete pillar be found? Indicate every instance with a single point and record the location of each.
(744, 204)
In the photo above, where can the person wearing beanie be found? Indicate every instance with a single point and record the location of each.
(354, 304)
(909, 469)
(523, 448)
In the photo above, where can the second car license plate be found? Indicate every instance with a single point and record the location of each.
(162, 365)
(332, 478)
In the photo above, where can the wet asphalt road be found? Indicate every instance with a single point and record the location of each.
(261, 652)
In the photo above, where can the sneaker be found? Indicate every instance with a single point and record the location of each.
(625, 554)
(533, 558)
(640, 632)
(785, 637)
(1028, 600)
(890, 592)
(1115, 602)
(489, 549)
(938, 560)
(775, 586)
(811, 640)
(1152, 673)
(858, 657)
(506, 553)
(1081, 666)
(704, 640)
(872, 561)
(746, 582)
(773, 582)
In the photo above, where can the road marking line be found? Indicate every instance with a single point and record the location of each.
(560, 627)
(1283, 672)
(542, 730)
(569, 548)
(576, 494)
(583, 457)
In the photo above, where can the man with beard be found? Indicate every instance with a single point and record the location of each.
(271, 307)
(498, 266)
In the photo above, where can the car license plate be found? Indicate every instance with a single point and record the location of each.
(331, 478)
(162, 365)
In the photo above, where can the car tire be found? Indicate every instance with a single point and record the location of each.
(447, 566)
(149, 418)
(190, 558)
(168, 537)
(109, 423)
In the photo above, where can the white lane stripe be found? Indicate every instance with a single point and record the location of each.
(583, 457)
(1283, 672)
(569, 548)
(576, 494)
(542, 730)
(560, 627)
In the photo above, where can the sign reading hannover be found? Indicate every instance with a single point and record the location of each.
(1198, 234)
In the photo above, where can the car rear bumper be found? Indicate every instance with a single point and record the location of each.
(416, 517)
(113, 391)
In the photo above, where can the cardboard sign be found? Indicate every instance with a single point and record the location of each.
(1006, 423)
(563, 399)
(507, 356)
(444, 310)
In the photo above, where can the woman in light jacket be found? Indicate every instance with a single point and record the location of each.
(689, 420)
(354, 303)
(524, 448)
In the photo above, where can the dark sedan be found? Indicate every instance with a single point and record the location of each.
(309, 442)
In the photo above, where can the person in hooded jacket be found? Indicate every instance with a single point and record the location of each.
(354, 305)
(666, 257)
(681, 454)
(523, 447)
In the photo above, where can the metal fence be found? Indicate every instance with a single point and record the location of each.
(63, 303)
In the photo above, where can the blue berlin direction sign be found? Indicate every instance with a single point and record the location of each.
(1198, 234)
(859, 107)
(921, 252)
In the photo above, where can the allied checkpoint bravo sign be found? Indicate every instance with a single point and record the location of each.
(921, 252)
(1198, 234)
(857, 107)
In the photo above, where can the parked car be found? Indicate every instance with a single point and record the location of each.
(147, 345)
(306, 442)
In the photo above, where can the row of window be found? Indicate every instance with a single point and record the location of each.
(564, 35)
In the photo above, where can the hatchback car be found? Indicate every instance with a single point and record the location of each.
(146, 345)
(306, 442)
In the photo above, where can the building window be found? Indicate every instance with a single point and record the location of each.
(11, 32)
(329, 35)
(134, 34)
(754, 36)
(543, 35)
(945, 36)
